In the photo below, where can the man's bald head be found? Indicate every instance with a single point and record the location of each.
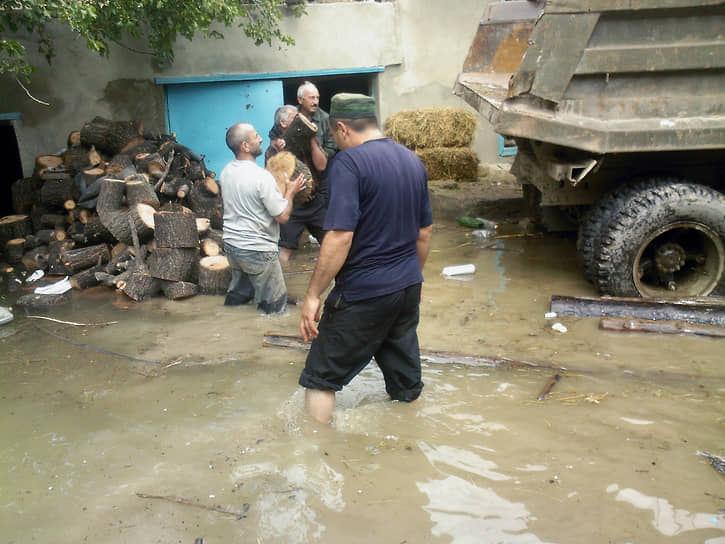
(237, 134)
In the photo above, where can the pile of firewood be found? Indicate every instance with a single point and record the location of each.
(134, 211)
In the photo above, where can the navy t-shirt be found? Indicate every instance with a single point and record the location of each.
(378, 190)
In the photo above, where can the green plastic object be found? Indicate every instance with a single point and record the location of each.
(470, 222)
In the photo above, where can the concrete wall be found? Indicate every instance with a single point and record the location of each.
(422, 46)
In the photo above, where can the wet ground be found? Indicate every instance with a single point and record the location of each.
(174, 422)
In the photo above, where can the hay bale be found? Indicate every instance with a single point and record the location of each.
(459, 163)
(432, 127)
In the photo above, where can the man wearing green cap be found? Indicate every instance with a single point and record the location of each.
(379, 226)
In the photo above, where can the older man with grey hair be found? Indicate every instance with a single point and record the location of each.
(254, 208)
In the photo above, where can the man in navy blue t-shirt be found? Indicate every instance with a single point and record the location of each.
(379, 225)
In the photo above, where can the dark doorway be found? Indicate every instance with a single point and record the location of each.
(12, 169)
(328, 86)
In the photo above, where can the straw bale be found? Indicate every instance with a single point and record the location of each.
(432, 127)
(459, 163)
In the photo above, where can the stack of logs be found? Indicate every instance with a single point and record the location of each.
(134, 211)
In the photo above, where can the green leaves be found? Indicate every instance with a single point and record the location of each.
(157, 22)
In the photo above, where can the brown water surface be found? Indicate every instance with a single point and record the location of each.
(209, 422)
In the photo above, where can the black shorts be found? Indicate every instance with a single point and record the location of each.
(311, 216)
(351, 334)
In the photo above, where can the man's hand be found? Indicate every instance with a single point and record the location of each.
(310, 315)
(294, 186)
(278, 144)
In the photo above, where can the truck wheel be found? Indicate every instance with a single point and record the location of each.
(663, 242)
(596, 220)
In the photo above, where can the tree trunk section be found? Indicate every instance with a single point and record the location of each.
(85, 257)
(15, 249)
(173, 264)
(45, 162)
(86, 278)
(139, 284)
(142, 216)
(14, 226)
(175, 230)
(176, 290)
(297, 137)
(204, 205)
(214, 275)
(210, 248)
(35, 300)
(140, 191)
(95, 231)
(36, 259)
(26, 193)
(57, 189)
(110, 196)
(110, 136)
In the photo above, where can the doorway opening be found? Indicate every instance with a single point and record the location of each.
(12, 169)
(328, 86)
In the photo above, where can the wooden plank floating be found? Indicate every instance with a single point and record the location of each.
(281, 340)
(663, 327)
(706, 310)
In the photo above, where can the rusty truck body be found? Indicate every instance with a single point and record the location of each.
(617, 110)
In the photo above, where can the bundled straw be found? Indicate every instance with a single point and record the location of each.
(459, 163)
(433, 127)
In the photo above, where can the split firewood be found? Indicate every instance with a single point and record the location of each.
(286, 166)
(110, 136)
(43, 162)
(85, 257)
(176, 290)
(175, 230)
(214, 275)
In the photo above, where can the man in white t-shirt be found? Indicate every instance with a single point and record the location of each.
(253, 211)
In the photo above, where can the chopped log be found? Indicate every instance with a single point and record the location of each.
(76, 158)
(14, 226)
(74, 138)
(121, 261)
(209, 186)
(110, 136)
(92, 174)
(35, 300)
(142, 216)
(26, 194)
(15, 249)
(151, 163)
(53, 220)
(210, 248)
(35, 259)
(111, 280)
(55, 263)
(117, 249)
(139, 284)
(174, 264)
(110, 196)
(95, 158)
(176, 290)
(140, 191)
(43, 162)
(214, 275)
(204, 205)
(175, 230)
(86, 278)
(195, 170)
(705, 310)
(662, 327)
(202, 225)
(85, 257)
(165, 173)
(57, 189)
(176, 187)
(216, 235)
(45, 236)
(119, 163)
(95, 231)
(78, 215)
(280, 340)
(31, 241)
(297, 137)
(77, 229)
(69, 205)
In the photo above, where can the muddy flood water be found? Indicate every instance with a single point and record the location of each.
(174, 422)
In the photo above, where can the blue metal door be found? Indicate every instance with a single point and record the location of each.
(200, 114)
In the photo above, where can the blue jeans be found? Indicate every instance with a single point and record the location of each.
(256, 276)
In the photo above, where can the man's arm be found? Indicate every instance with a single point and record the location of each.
(319, 158)
(291, 189)
(333, 252)
(423, 244)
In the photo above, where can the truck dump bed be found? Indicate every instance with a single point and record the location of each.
(602, 76)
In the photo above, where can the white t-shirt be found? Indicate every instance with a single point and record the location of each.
(251, 201)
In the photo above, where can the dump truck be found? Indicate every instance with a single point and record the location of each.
(617, 112)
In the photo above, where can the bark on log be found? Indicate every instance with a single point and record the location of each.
(214, 275)
(150, 163)
(175, 230)
(53, 220)
(204, 205)
(121, 260)
(174, 264)
(209, 186)
(285, 166)
(92, 174)
(45, 236)
(95, 158)
(76, 158)
(86, 278)
(110, 280)
(707, 310)
(140, 191)
(26, 193)
(15, 249)
(176, 187)
(216, 235)
(57, 189)
(44, 162)
(74, 138)
(119, 163)
(111, 195)
(85, 257)
(36, 259)
(142, 216)
(14, 226)
(297, 137)
(34, 300)
(110, 136)
(176, 290)
(139, 284)
(95, 231)
(662, 327)
(55, 263)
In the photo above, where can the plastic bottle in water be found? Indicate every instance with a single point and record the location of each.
(459, 269)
